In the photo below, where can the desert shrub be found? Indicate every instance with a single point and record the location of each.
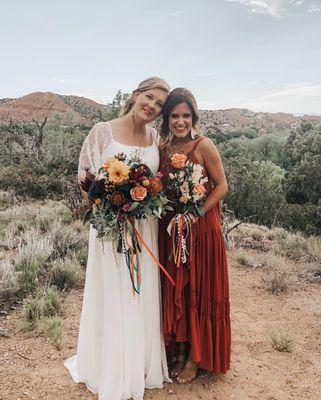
(82, 256)
(65, 274)
(281, 340)
(8, 281)
(33, 311)
(301, 217)
(51, 302)
(280, 233)
(7, 198)
(31, 259)
(255, 189)
(243, 259)
(277, 281)
(10, 239)
(294, 246)
(53, 327)
(314, 248)
(65, 240)
(45, 303)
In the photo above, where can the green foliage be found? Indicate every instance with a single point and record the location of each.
(245, 133)
(302, 159)
(43, 171)
(255, 188)
(262, 148)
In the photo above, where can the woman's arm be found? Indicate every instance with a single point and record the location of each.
(208, 155)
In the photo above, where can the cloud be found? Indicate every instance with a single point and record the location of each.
(272, 8)
(301, 97)
(314, 8)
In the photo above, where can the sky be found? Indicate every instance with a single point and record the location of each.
(264, 55)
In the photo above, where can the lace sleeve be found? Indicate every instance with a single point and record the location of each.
(90, 158)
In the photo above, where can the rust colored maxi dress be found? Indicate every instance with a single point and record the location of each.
(197, 309)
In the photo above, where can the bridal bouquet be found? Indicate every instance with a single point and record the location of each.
(125, 190)
(187, 192)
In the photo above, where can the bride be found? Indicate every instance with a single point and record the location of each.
(120, 345)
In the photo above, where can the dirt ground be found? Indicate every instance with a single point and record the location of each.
(31, 367)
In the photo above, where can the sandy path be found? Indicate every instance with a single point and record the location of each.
(258, 371)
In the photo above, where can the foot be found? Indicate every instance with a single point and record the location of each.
(188, 373)
(178, 365)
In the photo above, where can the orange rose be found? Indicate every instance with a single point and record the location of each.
(199, 189)
(178, 160)
(138, 193)
(155, 186)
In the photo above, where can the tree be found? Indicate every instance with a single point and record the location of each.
(302, 159)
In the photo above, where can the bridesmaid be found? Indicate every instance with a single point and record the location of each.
(196, 322)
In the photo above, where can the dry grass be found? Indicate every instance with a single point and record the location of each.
(281, 340)
(293, 246)
(242, 258)
(8, 281)
(277, 281)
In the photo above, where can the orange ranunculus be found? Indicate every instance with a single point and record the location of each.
(178, 160)
(138, 193)
(155, 186)
(107, 163)
(199, 189)
(118, 172)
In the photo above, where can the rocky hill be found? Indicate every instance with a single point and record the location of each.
(74, 109)
(38, 105)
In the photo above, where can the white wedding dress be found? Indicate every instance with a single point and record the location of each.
(120, 346)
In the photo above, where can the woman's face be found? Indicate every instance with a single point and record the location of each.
(180, 121)
(148, 105)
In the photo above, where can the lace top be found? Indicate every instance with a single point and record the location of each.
(100, 145)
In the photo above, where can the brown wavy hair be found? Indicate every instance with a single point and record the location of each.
(179, 96)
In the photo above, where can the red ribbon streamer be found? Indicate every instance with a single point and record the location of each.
(152, 255)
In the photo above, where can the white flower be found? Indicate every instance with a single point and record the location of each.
(181, 176)
(171, 175)
(184, 188)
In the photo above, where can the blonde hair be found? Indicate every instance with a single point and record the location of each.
(150, 83)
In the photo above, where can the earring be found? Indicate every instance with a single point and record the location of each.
(170, 136)
(193, 133)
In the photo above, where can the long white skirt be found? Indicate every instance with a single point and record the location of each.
(120, 346)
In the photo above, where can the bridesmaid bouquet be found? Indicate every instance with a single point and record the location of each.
(125, 190)
(187, 192)
(186, 182)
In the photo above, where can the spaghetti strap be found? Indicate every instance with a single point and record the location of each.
(197, 141)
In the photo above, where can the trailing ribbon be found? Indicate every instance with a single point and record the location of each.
(179, 228)
(151, 253)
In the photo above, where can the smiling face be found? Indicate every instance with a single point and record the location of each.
(148, 104)
(180, 121)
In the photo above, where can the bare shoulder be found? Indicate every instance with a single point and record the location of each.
(206, 145)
